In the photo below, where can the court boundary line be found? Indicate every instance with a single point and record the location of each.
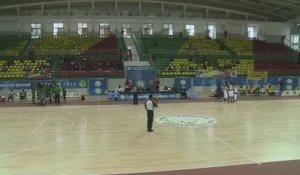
(49, 143)
(188, 169)
(232, 147)
(223, 142)
(184, 169)
(38, 126)
(51, 130)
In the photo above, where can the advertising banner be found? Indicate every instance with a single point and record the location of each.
(140, 75)
(97, 86)
(26, 84)
(237, 80)
(144, 96)
(183, 83)
(253, 75)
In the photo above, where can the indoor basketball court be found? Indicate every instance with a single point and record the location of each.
(112, 139)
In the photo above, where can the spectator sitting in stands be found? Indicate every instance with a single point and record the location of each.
(251, 90)
(262, 90)
(85, 60)
(110, 95)
(157, 83)
(10, 62)
(127, 83)
(140, 89)
(127, 89)
(225, 34)
(120, 89)
(116, 95)
(73, 65)
(82, 98)
(23, 95)
(174, 88)
(26, 68)
(165, 88)
(169, 68)
(4, 67)
(270, 91)
(247, 90)
(11, 95)
(242, 91)
(257, 91)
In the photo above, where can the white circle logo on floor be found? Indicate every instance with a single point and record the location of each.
(185, 120)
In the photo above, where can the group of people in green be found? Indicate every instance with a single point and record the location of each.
(44, 93)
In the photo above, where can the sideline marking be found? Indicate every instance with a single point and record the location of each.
(52, 142)
(38, 126)
(223, 142)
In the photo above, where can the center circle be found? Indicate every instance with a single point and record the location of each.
(185, 120)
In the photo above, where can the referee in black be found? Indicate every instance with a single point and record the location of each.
(149, 106)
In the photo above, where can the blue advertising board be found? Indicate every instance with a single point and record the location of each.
(290, 83)
(26, 84)
(140, 75)
(237, 80)
(97, 86)
(144, 96)
(183, 83)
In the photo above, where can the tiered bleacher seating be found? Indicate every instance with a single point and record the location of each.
(162, 49)
(180, 67)
(239, 46)
(90, 68)
(270, 51)
(12, 45)
(276, 58)
(278, 67)
(242, 68)
(24, 69)
(162, 45)
(101, 59)
(107, 43)
(161, 63)
(107, 48)
(64, 45)
(91, 73)
(202, 46)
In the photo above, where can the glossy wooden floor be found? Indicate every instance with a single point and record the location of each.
(111, 139)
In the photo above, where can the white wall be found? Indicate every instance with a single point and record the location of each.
(274, 31)
(234, 27)
(166, 82)
(112, 84)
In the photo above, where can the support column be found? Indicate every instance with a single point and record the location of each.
(93, 5)
(18, 10)
(42, 9)
(207, 13)
(183, 10)
(116, 8)
(162, 9)
(140, 8)
(69, 8)
(227, 15)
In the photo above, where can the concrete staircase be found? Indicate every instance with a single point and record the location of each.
(132, 47)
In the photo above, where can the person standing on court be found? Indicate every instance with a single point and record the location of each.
(57, 91)
(149, 106)
(135, 96)
(64, 91)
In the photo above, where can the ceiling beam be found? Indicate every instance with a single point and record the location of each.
(248, 7)
(284, 3)
(243, 11)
